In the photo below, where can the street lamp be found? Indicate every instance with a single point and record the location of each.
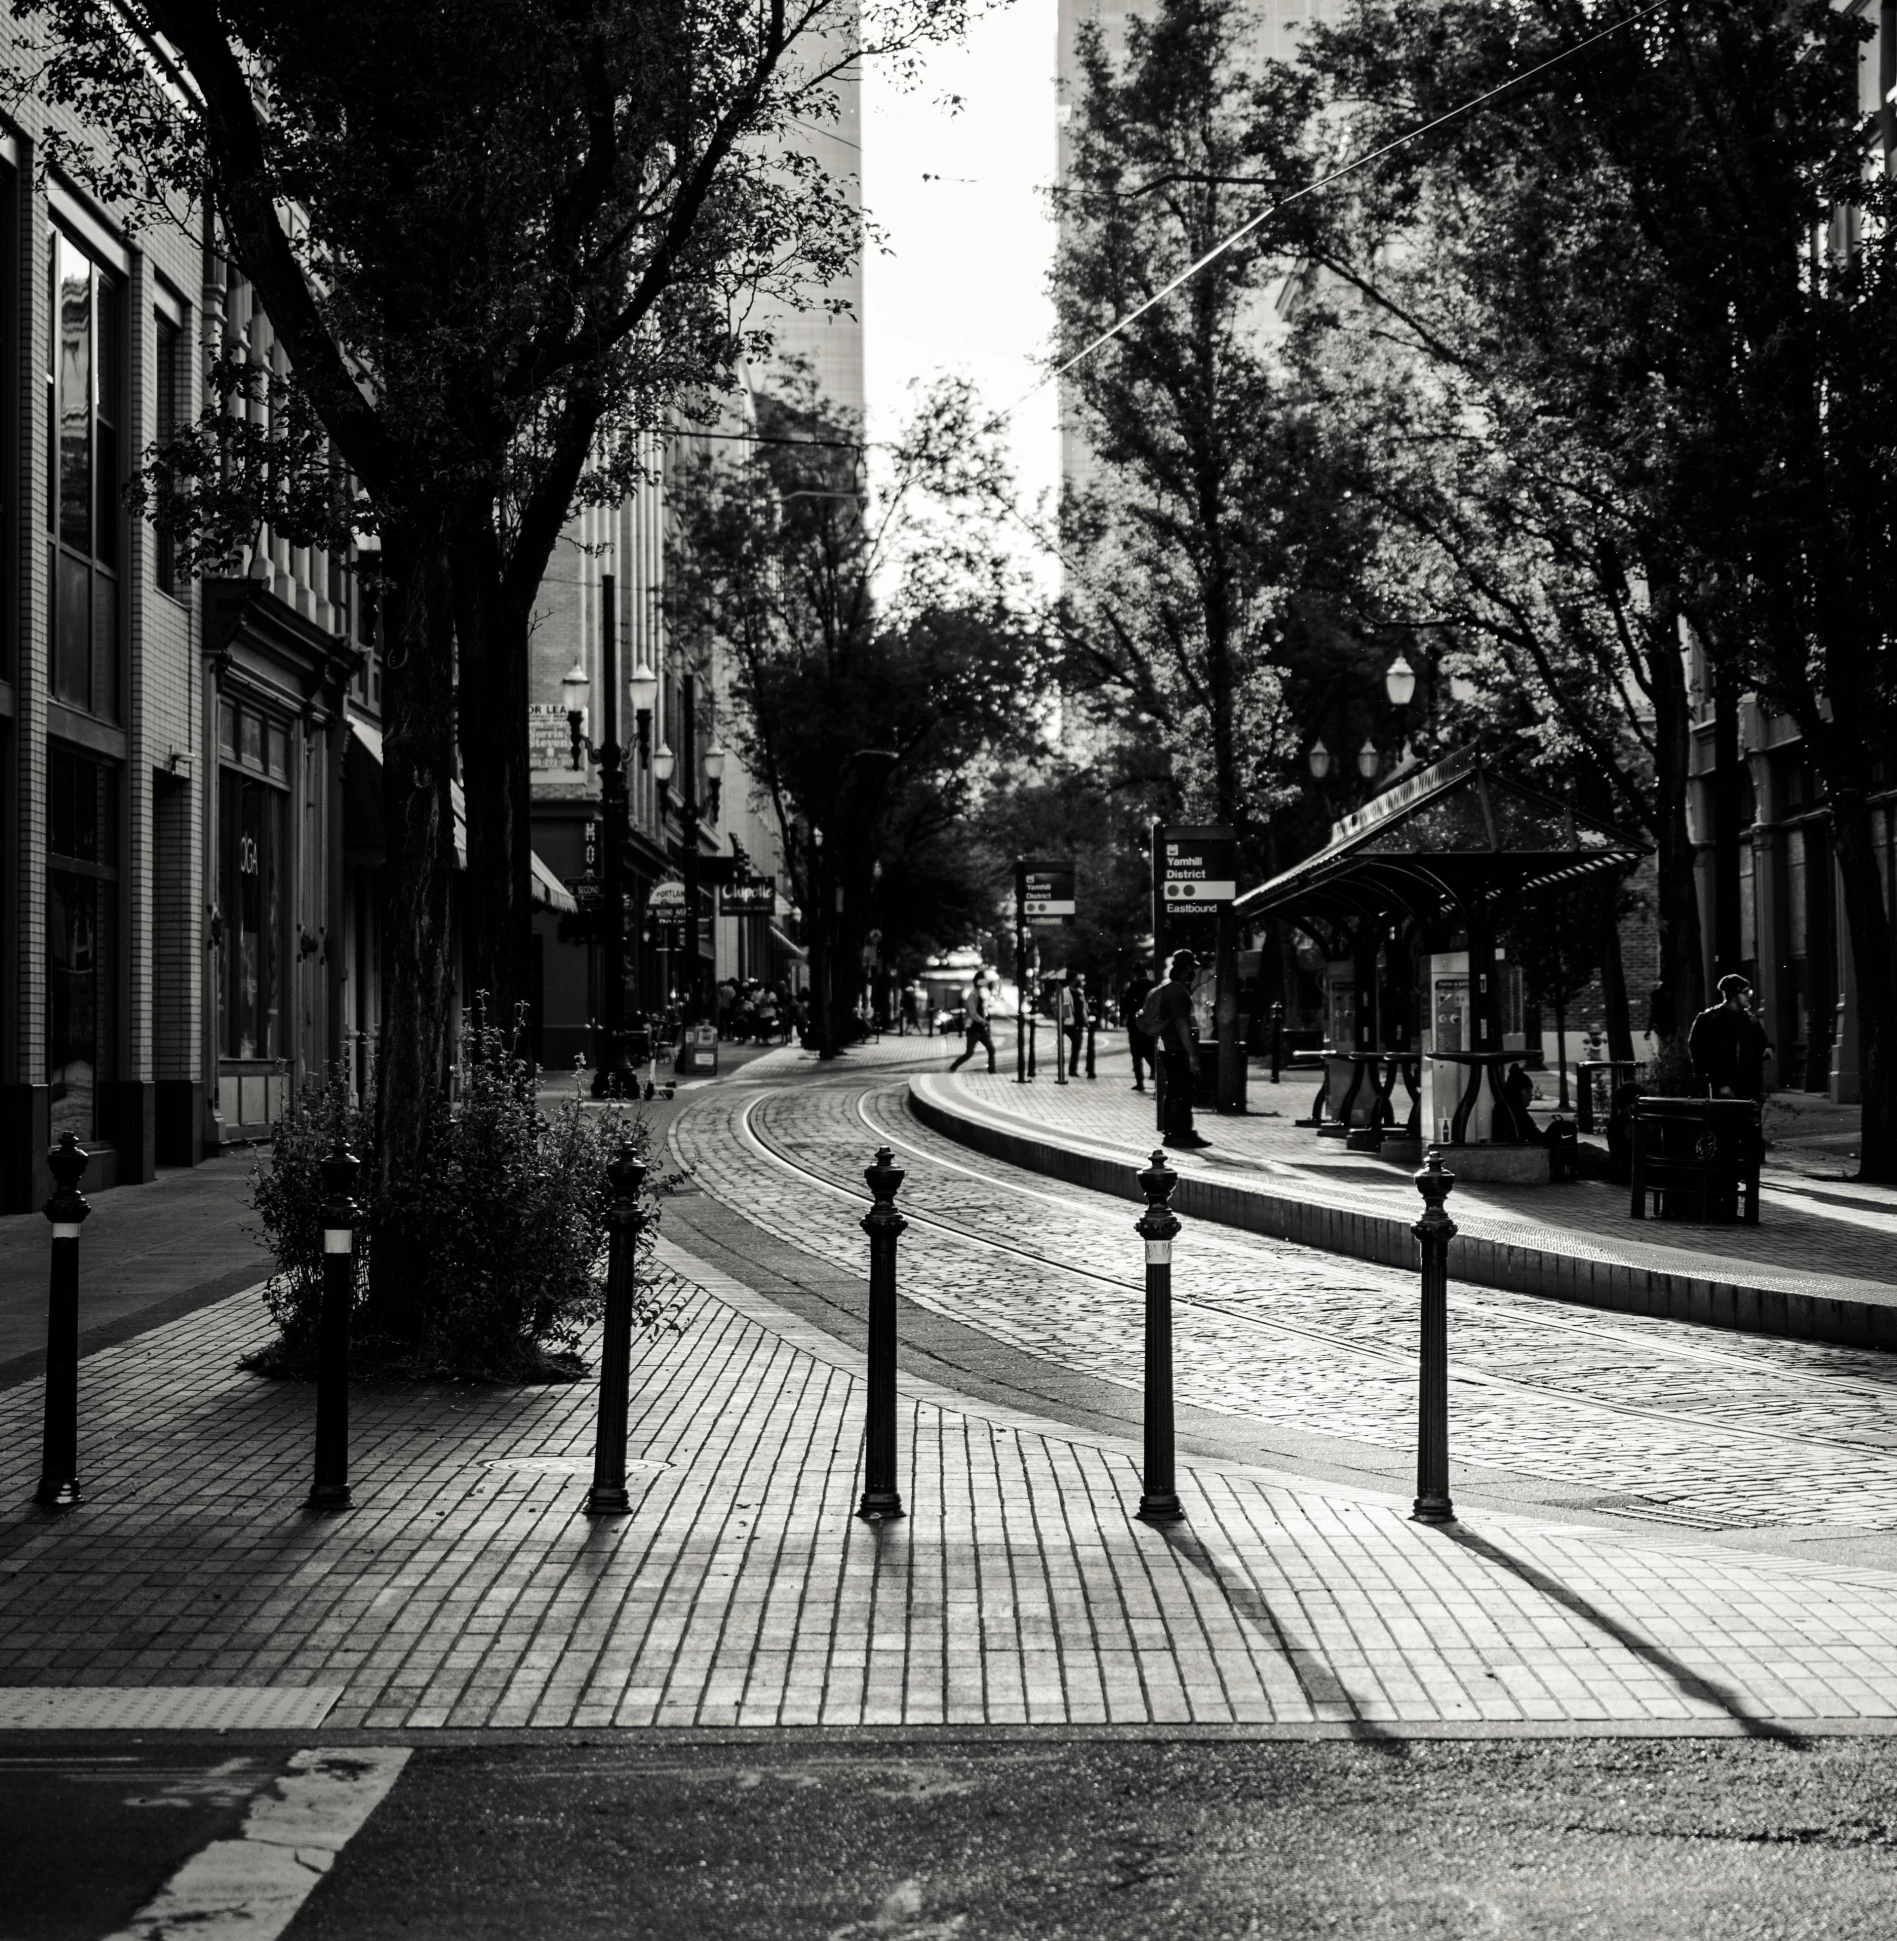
(1367, 760)
(613, 1077)
(574, 688)
(645, 695)
(714, 777)
(1399, 682)
(1320, 759)
(663, 762)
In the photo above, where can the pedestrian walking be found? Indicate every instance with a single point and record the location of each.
(1728, 1045)
(1138, 1042)
(1178, 1036)
(1076, 1017)
(976, 1029)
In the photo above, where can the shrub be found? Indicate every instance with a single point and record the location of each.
(510, 1223)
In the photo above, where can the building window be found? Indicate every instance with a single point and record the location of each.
(167, 418)
(253, 824)
(82, 819)
(84, 393)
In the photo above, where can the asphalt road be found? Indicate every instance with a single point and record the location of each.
(844, 1840)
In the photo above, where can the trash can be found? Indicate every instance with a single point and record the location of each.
(1697, 1159)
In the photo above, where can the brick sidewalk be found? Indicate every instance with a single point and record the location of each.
(468, 1589)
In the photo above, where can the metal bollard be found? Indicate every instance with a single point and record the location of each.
(882, 1501)
(1060, 1034)
(624, 1224)
(59, 1445)
(1159, 1500)
(1434, 1230)
(329, 1489)
(1093, 1020)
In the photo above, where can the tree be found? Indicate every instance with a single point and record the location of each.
(885, 662)
(1693, 196)
(498, 242)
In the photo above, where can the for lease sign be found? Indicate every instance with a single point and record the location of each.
(1195, 866)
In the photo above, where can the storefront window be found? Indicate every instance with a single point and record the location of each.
(84, 383)
(252, 832)
(81, 940)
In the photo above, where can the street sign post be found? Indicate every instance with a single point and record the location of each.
(1047, 894)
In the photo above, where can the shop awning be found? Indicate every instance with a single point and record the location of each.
(545, 889)
(1455, 835)
(795, 952)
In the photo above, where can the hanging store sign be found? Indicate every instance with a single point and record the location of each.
(749, 896)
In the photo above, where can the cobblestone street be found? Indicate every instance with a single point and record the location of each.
(1714, 1430)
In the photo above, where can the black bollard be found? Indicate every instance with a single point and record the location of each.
(59, 1446)
(1159, 1500)
(624, 1224)
(1093, 1020)
(1060, 1034)
(329, 1490)
(884, 1225)
(1434, 1231)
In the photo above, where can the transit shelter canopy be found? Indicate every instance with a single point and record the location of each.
(1457, 835)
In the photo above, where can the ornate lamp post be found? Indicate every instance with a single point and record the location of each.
(612, 1076)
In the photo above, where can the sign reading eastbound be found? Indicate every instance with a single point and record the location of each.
(1194, 868)
(1046, 892)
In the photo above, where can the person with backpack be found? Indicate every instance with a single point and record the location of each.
(975, 1026)
(1168, 1014)
(1138, 1040)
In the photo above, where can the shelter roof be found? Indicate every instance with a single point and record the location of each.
(1455, 835)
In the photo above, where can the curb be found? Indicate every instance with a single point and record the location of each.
(1616, 1286)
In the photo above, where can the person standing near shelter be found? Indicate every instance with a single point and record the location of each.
(1178, 1036)
(1728, 1045)
(975, 1026)
(1076, 1017)
(1142, 1047)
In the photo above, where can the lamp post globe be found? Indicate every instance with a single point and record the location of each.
(1367, 760)
(714, 763)
(644, 687)
(575, 687)
(663, 762)
(1319, 759)
(1399, 682)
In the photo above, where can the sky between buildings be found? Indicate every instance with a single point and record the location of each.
(960, 283)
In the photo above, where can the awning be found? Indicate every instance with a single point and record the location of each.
(545, 890)
(1456, 835)
(795, 952)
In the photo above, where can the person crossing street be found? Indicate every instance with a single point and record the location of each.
(975, 1025)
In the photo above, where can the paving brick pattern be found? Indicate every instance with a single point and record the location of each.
(1723, 1430)
(742, 1592)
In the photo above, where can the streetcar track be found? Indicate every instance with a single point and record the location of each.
(769, 1149)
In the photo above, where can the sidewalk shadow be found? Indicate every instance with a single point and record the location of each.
(1689, 1683)
(1319, 1685)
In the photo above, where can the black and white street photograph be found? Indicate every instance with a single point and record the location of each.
(948, 970)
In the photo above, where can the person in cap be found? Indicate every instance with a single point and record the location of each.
(1728, 1045)
(1179, 1051)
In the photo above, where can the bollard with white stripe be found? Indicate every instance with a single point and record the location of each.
(882, 1500)
(1434, 1231)
(624, 1224)
(1159, 1501)
(330, 1489)
(59, 1444)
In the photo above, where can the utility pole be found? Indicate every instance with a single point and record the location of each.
(688, 763)
(611, 1078)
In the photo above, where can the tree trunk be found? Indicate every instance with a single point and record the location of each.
(1682, 969)
(1868, 922)
(1620, 1026)
(418, 763)
(492, 722)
